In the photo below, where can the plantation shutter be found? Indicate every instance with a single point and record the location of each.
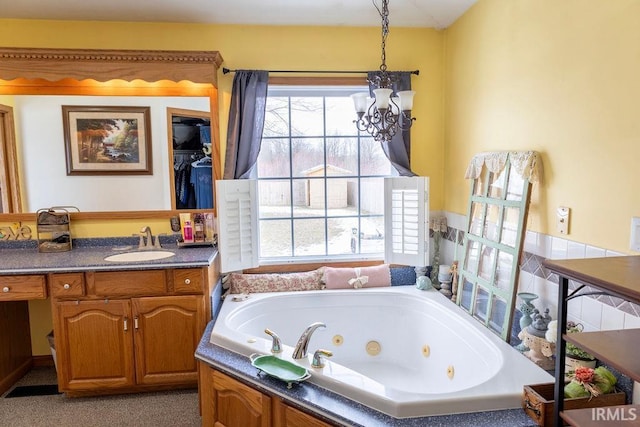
(236, 200)
(406, 217)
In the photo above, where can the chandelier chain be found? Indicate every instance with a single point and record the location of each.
(384, 14)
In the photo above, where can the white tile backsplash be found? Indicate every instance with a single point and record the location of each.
(575, 250)
(531, 242)
(612, 318)
(558, 248)
(593, 252)
(631, 321)
(593, 314)
(574, 308)
(544, 245)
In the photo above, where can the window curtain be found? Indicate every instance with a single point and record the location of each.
(246, 122)
(398, 150)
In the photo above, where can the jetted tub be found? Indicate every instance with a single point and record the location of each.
(399, 350)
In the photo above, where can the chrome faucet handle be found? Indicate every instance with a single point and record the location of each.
(157, 244)
(141, 241)
(276, 344)
(318, 360)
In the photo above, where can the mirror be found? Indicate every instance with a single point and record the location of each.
(45, 181)
(164, 79)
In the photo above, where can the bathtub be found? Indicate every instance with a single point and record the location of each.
(399, 350)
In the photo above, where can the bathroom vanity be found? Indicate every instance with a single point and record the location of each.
(118, 326)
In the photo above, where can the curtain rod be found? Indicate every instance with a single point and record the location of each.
(227, 70)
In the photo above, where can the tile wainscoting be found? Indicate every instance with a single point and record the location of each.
(594, 312)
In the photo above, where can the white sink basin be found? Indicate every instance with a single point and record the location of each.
(139, 256)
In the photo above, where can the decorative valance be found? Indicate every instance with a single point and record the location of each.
(525, 163)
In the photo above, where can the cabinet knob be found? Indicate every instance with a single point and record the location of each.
(5, 289)
(66, 286)
(187, 281)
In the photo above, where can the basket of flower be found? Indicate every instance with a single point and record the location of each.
(587, 388)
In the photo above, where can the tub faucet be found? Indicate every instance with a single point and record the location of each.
(300, 351)
(276, 344)
(318, 358)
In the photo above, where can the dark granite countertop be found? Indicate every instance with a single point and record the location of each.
(338, 409)
(22, 257)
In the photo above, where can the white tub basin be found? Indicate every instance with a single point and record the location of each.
(139, 256)
(399, 350)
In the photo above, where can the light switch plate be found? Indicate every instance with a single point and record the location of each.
(635, 234)
(562, 220)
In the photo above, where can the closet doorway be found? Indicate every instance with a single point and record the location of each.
(190, 148)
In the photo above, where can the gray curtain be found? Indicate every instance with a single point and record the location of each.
(398, 150)
(246, 122)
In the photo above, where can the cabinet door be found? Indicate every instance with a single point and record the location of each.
(291, 417)
(167, 332)
(237, 405)
(94, 344)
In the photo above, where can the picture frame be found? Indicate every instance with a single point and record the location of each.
(107, 140)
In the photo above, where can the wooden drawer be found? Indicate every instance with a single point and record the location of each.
(188, 280)
(17, 288)
(129, 283)
(67, 285)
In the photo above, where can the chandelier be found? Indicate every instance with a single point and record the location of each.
(385, 113)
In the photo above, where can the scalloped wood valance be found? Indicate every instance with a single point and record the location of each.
(104, 65)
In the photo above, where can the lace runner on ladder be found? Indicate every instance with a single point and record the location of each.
(526, 163)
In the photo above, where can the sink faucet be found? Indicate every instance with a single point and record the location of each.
(149, 245)
(300, 351)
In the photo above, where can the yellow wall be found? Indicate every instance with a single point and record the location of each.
(264, 47)
(559, 77)
(251, 47)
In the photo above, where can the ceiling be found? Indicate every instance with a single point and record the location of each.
(437, 14)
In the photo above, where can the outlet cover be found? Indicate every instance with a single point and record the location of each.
(562, 220)
(635, 234)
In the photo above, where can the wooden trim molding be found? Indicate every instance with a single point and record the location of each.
(104, 65)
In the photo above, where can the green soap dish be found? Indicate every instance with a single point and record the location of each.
(279, 368)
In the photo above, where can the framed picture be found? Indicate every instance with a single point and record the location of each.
(107, 140)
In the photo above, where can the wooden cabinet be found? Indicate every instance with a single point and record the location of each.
(22, 287)
(292, 417)
(94, 344)
(615, 276)
(166, 333)
(127, 330)
(238, 405)
(225, 401)
(15, 335)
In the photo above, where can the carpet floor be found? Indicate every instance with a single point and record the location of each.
(171, 409)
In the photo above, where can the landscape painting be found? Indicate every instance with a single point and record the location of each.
(107, 140)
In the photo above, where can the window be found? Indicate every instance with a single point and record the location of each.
(320, 182)
(321, 191)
